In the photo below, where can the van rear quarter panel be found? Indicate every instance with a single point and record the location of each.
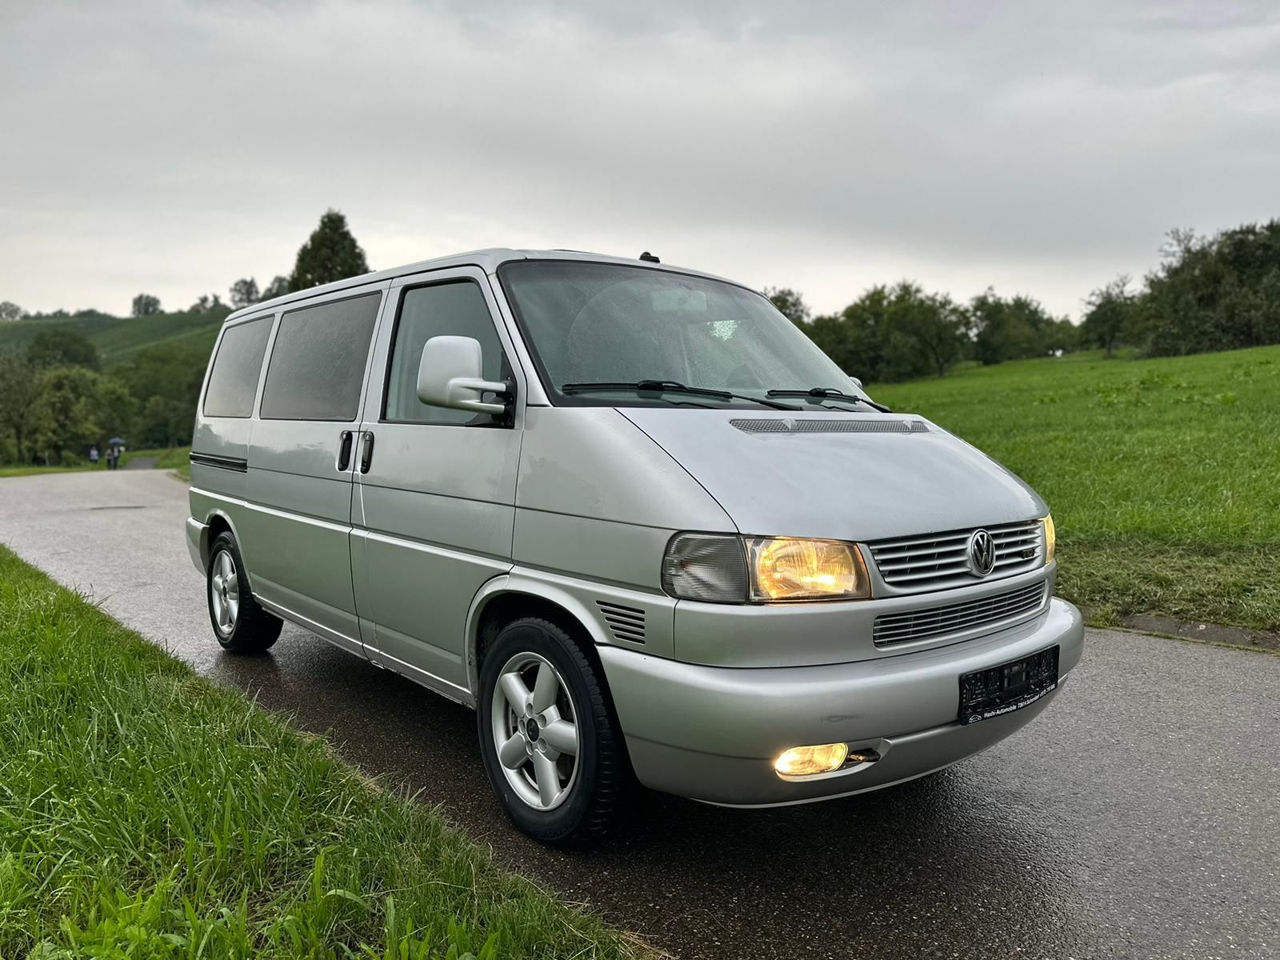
(220, 437)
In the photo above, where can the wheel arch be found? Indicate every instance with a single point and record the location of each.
(510, 596)
(218, 521)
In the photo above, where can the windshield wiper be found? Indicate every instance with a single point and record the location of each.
(827, 393)
(670, 386)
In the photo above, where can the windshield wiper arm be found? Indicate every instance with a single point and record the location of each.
(670, 386)
(827, 393)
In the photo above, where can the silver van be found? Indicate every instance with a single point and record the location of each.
(632, 516)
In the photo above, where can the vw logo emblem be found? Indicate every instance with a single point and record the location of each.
(982, 553)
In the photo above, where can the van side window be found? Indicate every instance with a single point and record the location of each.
(233, 381)
(455, 309)
(317, 363)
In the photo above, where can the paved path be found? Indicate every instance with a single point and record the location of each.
(1138, 817)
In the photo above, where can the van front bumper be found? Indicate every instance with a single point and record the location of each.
(712, 733)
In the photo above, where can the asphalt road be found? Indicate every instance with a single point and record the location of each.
(1138, 817)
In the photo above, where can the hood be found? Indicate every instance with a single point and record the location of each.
(845, 476)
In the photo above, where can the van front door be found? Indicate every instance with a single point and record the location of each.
(435, 488)
(296, 532)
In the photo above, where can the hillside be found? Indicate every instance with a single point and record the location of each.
(116, 338)
(1161, 473)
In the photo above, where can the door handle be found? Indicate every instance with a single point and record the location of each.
(366, 451)
(344, 450)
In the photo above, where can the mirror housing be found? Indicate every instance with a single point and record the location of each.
(449, 375)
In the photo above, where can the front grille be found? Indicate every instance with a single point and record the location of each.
(940, 560)
(626, 623)
(932, 622)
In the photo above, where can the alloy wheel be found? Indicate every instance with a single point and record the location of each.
(535, 731)
(224, 592)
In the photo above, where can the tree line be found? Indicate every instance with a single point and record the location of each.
(901, 332)
(57, 400)
(1220, 292)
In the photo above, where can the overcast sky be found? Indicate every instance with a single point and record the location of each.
(173, 147)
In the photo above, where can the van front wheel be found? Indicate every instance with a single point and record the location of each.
(239, 623)
(551, 747)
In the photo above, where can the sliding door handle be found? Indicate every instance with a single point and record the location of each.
(366, 451)
(344, 450)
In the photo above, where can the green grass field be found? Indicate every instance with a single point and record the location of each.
(117, 337)
(147, 813)
(1163, 475)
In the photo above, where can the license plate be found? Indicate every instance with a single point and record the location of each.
(1011, 686)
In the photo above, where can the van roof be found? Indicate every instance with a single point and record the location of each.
(488, 260)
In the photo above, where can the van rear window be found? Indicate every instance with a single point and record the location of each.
(233, 381)
(318, 361)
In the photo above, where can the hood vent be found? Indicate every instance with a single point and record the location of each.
(625, 623)
(829, 425)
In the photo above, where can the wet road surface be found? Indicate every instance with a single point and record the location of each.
(1138, 817)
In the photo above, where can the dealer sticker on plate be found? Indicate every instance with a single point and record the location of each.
(1011, 686)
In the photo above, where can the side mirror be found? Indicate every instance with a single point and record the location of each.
(449, 376)
(856, 382)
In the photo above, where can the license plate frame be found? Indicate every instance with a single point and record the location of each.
(1007, 687)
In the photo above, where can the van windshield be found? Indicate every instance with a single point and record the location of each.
(599, 327)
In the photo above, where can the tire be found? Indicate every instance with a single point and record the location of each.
(239, 623)
(554, 796)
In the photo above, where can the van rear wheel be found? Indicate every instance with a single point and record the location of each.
(239, 622)
(551, 747)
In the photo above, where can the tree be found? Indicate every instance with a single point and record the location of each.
(331, 253)
(19, 391)
(789, 303)
(1109, 315)
(145, 305)
(54, 348)
(934, 322)
(276, 288)
(1211, 293)
(893, 333)
(208, 303)
(164, 381)
(244, 293)
(1012, 329)
(10, 311)
(66, 412)
(117, 410)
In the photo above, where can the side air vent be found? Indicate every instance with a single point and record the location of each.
(626, 623)
(829, 425)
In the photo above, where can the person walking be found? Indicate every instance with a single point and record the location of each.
(93, 454)
(114, 449)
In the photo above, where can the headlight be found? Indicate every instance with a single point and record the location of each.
(728, 569)
(787, 569)
(1050, 539)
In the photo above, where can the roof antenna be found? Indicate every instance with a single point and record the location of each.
(648, 257)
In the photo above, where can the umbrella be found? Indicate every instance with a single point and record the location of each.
(116, 441)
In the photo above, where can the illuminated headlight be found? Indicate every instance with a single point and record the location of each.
(721, 568)
(788, 569)
(1050, 539)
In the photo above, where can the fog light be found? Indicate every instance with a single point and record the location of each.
(801, 761)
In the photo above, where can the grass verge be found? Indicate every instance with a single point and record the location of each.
(1162, 474)
(145, 812)
(173, 458)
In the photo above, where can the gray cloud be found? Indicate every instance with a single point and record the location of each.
(174, 147)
